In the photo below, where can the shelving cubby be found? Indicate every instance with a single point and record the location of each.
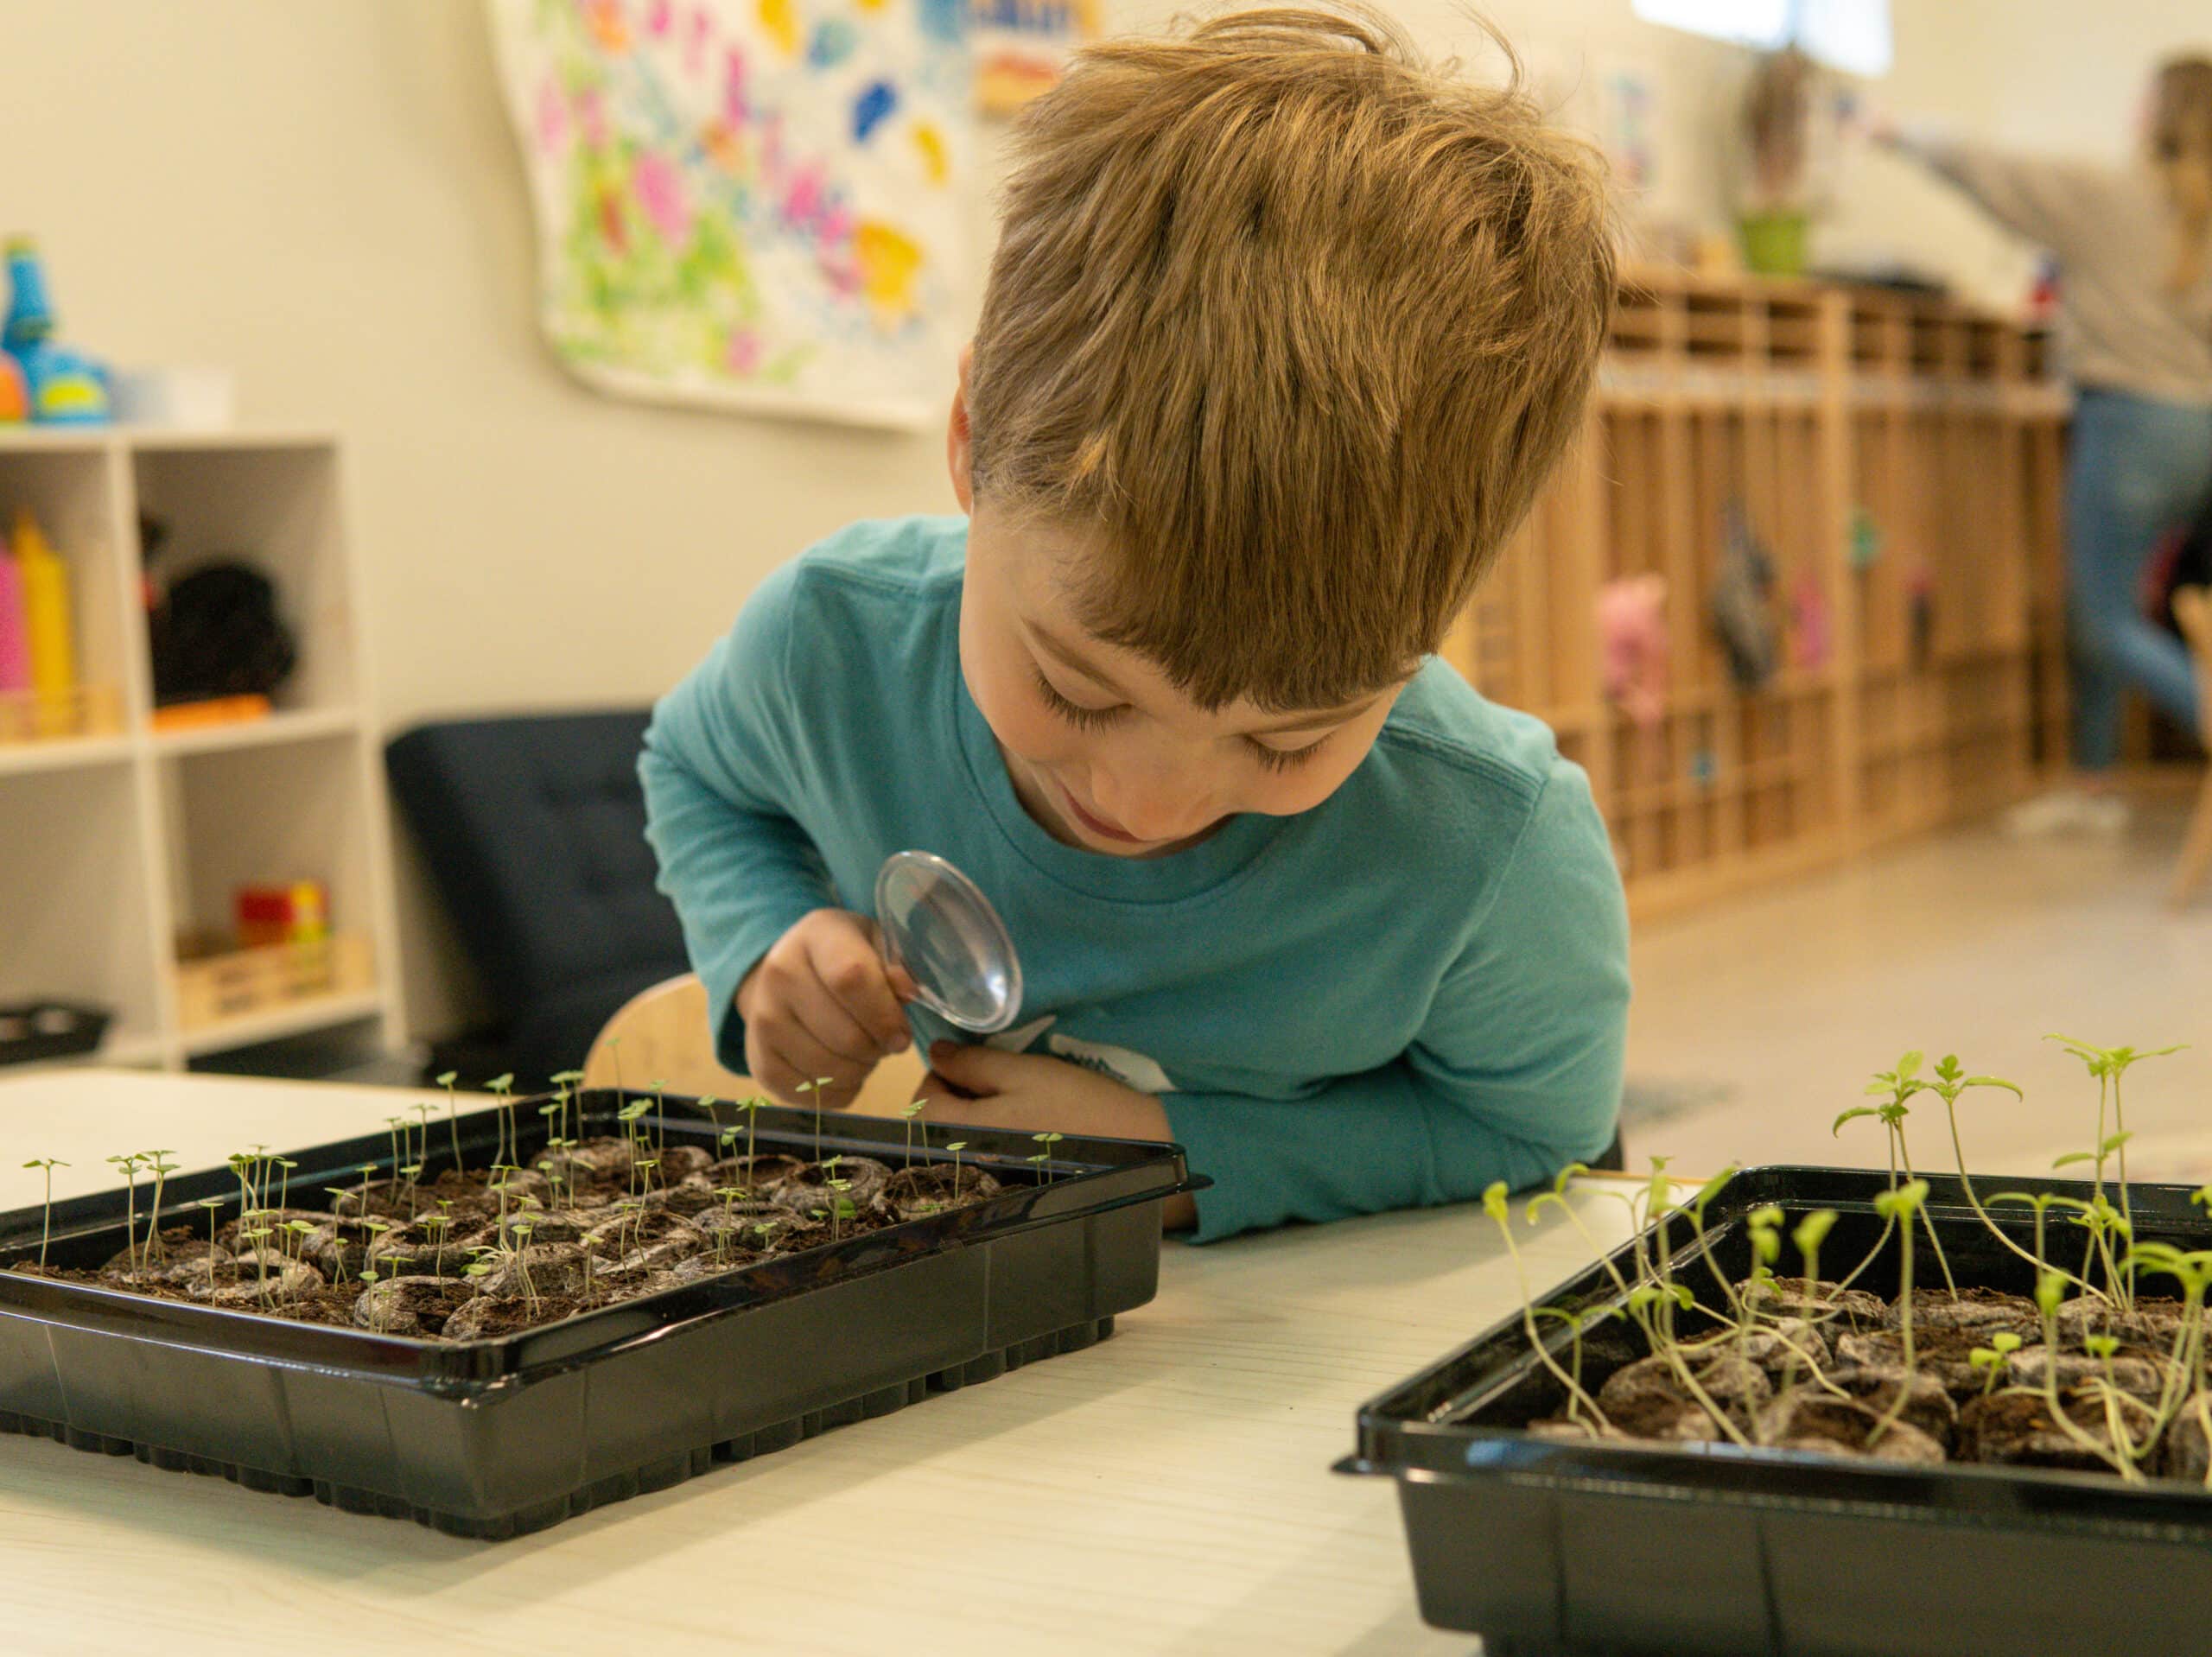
(1899, 461)
(117, 844)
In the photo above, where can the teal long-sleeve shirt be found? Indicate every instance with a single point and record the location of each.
(1417, 988)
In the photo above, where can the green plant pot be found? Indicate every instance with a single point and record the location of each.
(1774, 242)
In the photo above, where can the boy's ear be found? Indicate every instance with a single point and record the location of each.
(957, 437)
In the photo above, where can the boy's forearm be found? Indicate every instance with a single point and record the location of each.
(1387, 1139)
(739, 880)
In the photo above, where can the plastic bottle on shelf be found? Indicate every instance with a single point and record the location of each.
(14, 645)
(46, 611)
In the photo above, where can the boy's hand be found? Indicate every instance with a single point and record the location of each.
(822, 1003)
(1030, 1092)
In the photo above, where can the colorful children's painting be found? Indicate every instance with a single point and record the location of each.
(1021, 46)
(748, 204)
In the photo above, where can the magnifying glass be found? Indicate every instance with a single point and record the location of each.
(941, 929)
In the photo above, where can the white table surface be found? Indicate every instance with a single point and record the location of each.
(1167, 1490)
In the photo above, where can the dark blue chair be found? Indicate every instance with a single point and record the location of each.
(533, 830)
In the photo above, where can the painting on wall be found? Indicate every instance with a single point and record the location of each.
(754, 205)
(1021, 46)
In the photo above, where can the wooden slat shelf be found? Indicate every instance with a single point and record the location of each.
(1840, 423)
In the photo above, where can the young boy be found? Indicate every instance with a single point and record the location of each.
(1283, 334)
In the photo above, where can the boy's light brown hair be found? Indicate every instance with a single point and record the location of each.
(1293, 325)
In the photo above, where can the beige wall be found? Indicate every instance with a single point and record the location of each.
(2050, 75)
(324, 196)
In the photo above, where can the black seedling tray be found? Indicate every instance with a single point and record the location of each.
(491, 1438)
(1563, 1547)
(32, 1032)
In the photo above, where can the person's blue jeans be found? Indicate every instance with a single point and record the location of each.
(2138, 470)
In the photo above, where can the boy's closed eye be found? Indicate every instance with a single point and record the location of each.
(1087, 717)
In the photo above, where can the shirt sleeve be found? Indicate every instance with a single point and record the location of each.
(2052, 202)
(719, 797)
(1515, 1073)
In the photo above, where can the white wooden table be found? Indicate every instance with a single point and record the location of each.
(1166, 1491)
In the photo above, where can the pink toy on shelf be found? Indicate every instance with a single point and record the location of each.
(1632, 647)
(1811, 640)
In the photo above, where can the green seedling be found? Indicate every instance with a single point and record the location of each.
(1901, 1204)
(502, 1086)
(1557, 1197)
(628, 1116)
(2193, 1270)
(909, 1113)
(729, 1194)
(446, 1080)
(560, 1174)
(299, 1231)
(1043, 1160)
(395, 1127)
(2051, 1292)
(815, 1087)
(751, 1109)
(1651, 1308)
(1949, 1082)
(523, 1228)
(2103, 1222)
(210, 1204)
(571, 1085)
(130, 1166)
(1896, 1087)
(1693, 1211)
(437, 1225)
(957, 1148)
(659, 1086)
(1577, 1323)
(47, 1165)
(1811, 1232)
(257, 1236)
(2043, 1202)
(1762, 1227)
(2107, 1065)
(1580, 1404)
(1990, 1359)
(1658, 1194)
(631, 1213)
(161, 1168)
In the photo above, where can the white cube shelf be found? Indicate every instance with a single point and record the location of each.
(113, 842)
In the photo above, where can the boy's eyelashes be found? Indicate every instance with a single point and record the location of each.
(1084, 718)
(1091, 718)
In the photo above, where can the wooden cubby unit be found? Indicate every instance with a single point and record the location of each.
(1841, 423)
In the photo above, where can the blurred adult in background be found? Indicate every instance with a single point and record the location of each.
(2134, 248)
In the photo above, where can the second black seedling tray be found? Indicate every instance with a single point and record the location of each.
(1613, 1550)
(490, 1439)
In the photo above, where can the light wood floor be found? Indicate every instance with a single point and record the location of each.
(1971, 944)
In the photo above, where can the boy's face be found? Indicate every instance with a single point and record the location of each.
(1104, 752)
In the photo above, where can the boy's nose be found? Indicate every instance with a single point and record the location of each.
(1156, 803)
